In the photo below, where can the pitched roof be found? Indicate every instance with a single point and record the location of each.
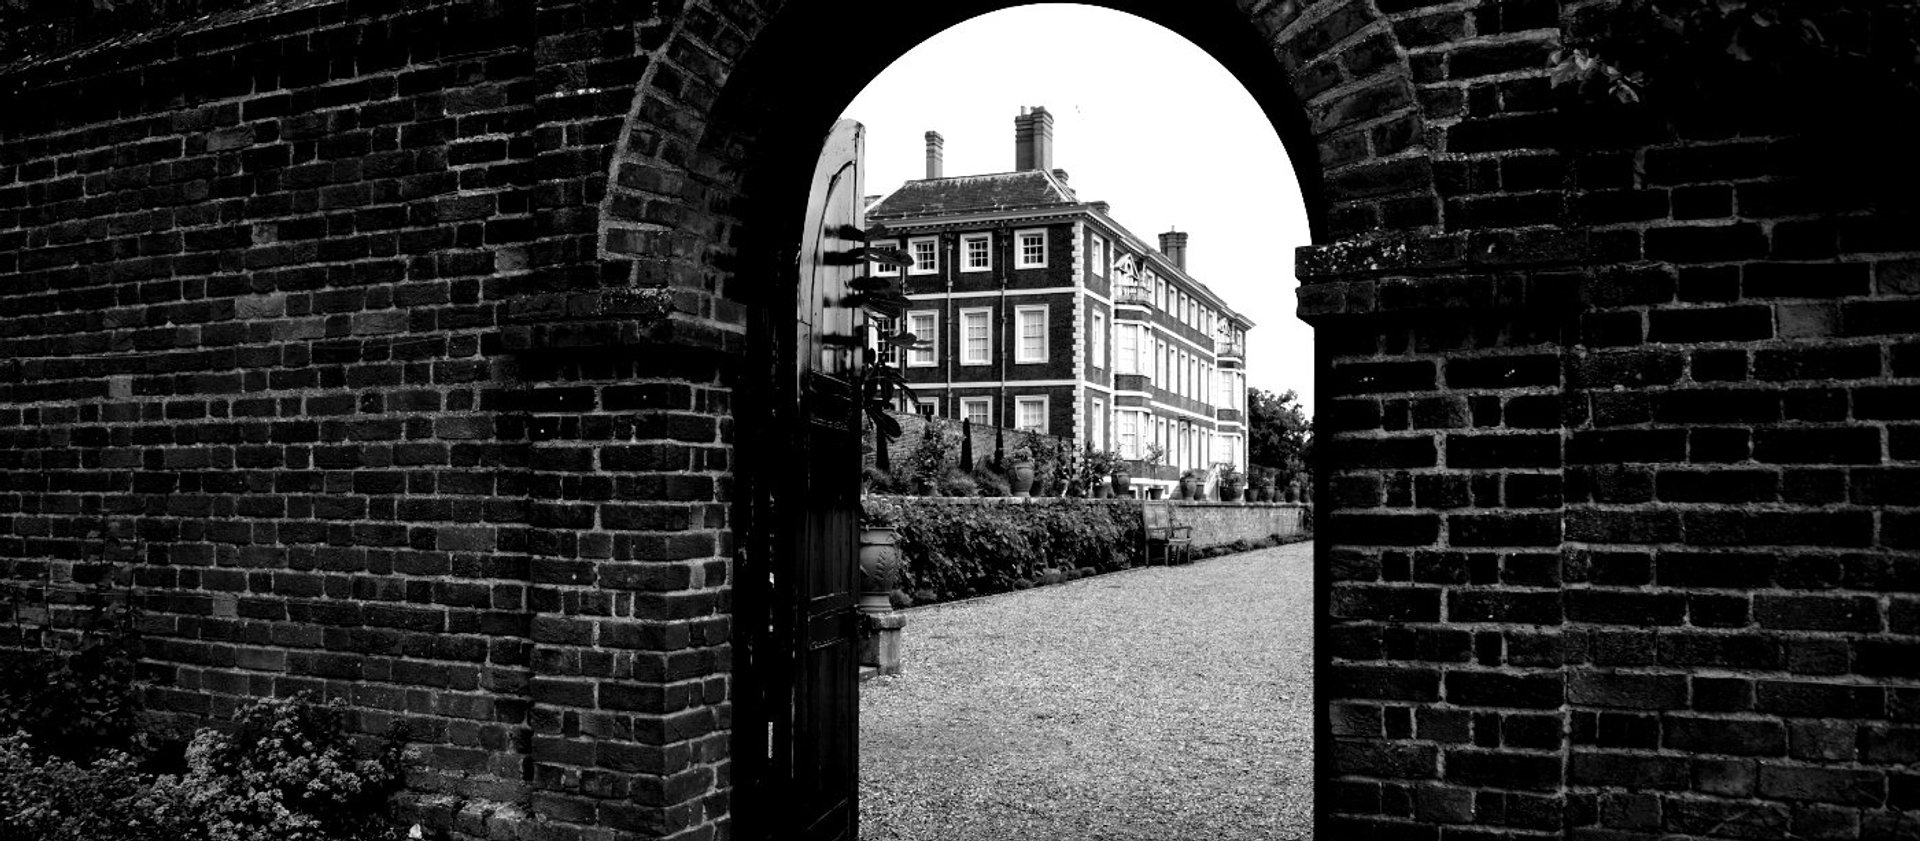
(973, 194)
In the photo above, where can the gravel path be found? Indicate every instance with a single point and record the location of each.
(1156, 703)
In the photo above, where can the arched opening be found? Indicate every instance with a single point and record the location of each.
(1051, 309)
(763, 121)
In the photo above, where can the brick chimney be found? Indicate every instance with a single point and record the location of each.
(936, 154)
(1174, 245)
(1033, 139)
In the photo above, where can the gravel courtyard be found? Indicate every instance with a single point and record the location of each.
(1156, 703)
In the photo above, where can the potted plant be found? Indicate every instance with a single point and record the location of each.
(1099, 463)
(880, 561)
(1263, 485)
(1231, 483)
(1122, 474)
(1191, 484)
(1155, 457)
(1020, 480)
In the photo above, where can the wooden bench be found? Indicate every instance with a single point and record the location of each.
(1158, 529)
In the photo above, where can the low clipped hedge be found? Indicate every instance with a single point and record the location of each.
(958, 549)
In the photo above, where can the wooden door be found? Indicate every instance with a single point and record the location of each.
(816, 735)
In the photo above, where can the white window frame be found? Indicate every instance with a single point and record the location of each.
(885, 354)
(1020, 354)
(879, 269)
(1019, 405)
(927, 407)
(1097, 430)
(931, 357)
(1097, 254)
(1126, 352)
(1127, 433)
(1099, 343)
(985, 315)
(913, 252)
(1020, 260)
(986, 409)
(966, 257)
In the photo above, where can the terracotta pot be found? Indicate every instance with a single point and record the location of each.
(1229, 492)
(1122, 481)
(1021, 481)
(1102, 490)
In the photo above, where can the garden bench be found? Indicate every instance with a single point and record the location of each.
(1158, 529)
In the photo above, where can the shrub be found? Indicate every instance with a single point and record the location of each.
(956, 483)
(877, 481)
(79, 702)
(49, 798)
(991, 483)
(955, 550)
(285, 773)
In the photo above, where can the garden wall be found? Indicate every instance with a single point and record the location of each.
(1222, 523)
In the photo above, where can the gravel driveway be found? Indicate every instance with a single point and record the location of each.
(1156, 703)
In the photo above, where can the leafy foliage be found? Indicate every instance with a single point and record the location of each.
(1688, 52)
(1279, 433)
(51, 798)
(286, 772)
(956, 550)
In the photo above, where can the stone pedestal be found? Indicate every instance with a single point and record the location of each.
(880, 647)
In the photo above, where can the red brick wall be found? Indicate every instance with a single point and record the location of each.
(355, 318)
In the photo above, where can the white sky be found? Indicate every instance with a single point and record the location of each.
(1142, 119)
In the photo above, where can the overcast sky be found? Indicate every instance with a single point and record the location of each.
(1142, 119)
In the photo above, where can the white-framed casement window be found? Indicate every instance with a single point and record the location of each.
(1030, 333)
(1099, 340)
(976, 252)
(1097, 430)
(1030, 249)
(928, 407)
(925, 327)
(925, 252)
(1030, 413)
(976, 336)
(1097, 255)
(978, 410)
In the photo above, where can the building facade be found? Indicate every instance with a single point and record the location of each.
(1037, 310)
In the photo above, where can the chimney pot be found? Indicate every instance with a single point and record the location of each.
(1060, 174)
(936, 154)
(1174, 245)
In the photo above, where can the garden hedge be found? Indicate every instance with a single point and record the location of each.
(958, 548)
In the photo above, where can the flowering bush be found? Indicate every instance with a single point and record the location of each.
(286, 772)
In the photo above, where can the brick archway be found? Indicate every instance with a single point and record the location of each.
(706, 182)
(414, 344)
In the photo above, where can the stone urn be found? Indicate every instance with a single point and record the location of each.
(1020, 480)
(1122, 481)
(1229, 492)
(879, 567)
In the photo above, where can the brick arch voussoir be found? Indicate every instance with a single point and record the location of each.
(1355, 79)
(662, 215)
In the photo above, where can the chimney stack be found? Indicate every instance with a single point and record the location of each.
(1033, 140)
(936, 154)
(1174, 245)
